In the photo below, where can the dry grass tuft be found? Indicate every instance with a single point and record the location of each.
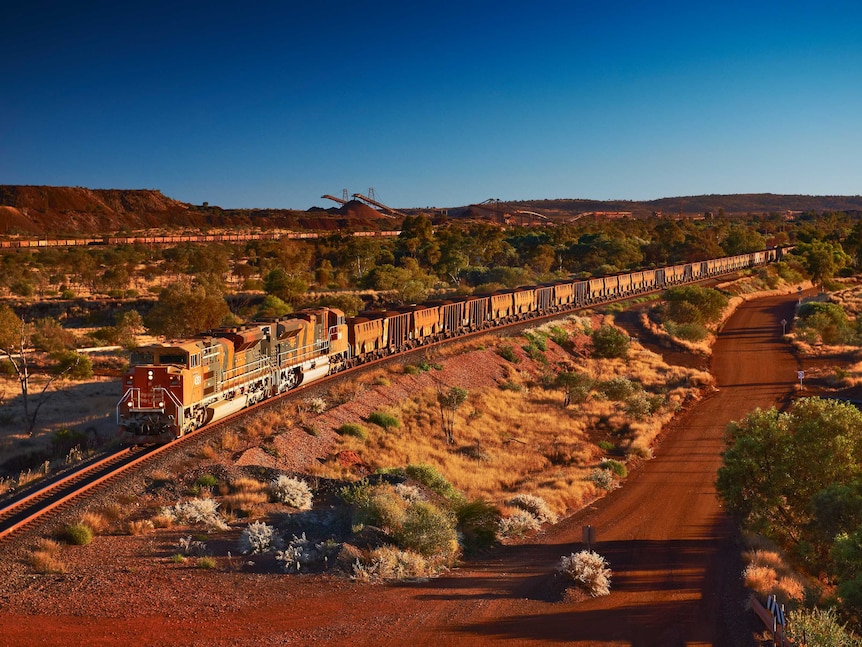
(229, 442)
(246, 496)
(767, 572)
(140, 526)
(162, 521)
(44, 557)
(97, 521)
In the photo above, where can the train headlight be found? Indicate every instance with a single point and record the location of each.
(160, 405)
(149, 375)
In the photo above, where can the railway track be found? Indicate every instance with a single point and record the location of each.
(50, 497)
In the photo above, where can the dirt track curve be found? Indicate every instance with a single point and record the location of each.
(673, 552)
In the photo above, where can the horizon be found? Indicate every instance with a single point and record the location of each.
(273, 106)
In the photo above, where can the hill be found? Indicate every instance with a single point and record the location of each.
(77, 211)
(691, 206)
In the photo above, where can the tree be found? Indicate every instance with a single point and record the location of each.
(284, 286)
(821, 259)
(575, 385)
(184, 310)
(15, 342)
(449, 402)
(776, 464)
(694, 304)
(610, 342)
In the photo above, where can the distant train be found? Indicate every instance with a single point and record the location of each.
(26, 243)
(172, 389)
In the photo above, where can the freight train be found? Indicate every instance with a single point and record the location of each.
(174, 388)
(27, 243)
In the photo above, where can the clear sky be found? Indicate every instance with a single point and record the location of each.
(272, 104)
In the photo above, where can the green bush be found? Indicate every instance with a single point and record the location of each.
(477, 521)
(78, 534)
(432, 479)
(538, 340)
(559, 336)
(353, 429)
(694, 304)
(610, 342)
(508, 354)
(207, 480)
(385, 420)
(382, 507)
(819, 627)
(616, 467)
(687, 331)
(826, 321)
(606, 446)
(427, 530)
(617, 388)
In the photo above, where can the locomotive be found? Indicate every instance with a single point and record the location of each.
(172, 389)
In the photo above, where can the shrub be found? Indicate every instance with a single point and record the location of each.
(302, 554)
(204, 511)
(78, 534)
(206, 562)
(385, 420)
(559, 336)
(259, 537)
(535, 505)
(607, 446)
(687, 331)
(604, 479)
(508, 354)
(617, 388)
(610, 342)
(315, 405)
(616, 467)
(409, 493)
(292, 492)
(694, 304)
(589, 571)
(819, 627)
(427, 530)
(478, 522)
(381, 507)
(389, 563)
(207, 480)
(353, 429)
(431, 478)
(190, 546)
(518, 524)
(638, 406)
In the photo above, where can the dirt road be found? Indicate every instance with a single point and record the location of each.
(673, 552)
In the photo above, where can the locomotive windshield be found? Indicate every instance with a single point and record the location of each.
(140, 357)
(173, 358)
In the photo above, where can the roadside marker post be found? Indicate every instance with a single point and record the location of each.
(589, 535)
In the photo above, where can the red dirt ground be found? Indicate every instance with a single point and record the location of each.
(672, 550)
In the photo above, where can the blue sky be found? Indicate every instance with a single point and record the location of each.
(272, 104)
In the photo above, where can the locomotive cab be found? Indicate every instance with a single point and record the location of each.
(159, 381)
